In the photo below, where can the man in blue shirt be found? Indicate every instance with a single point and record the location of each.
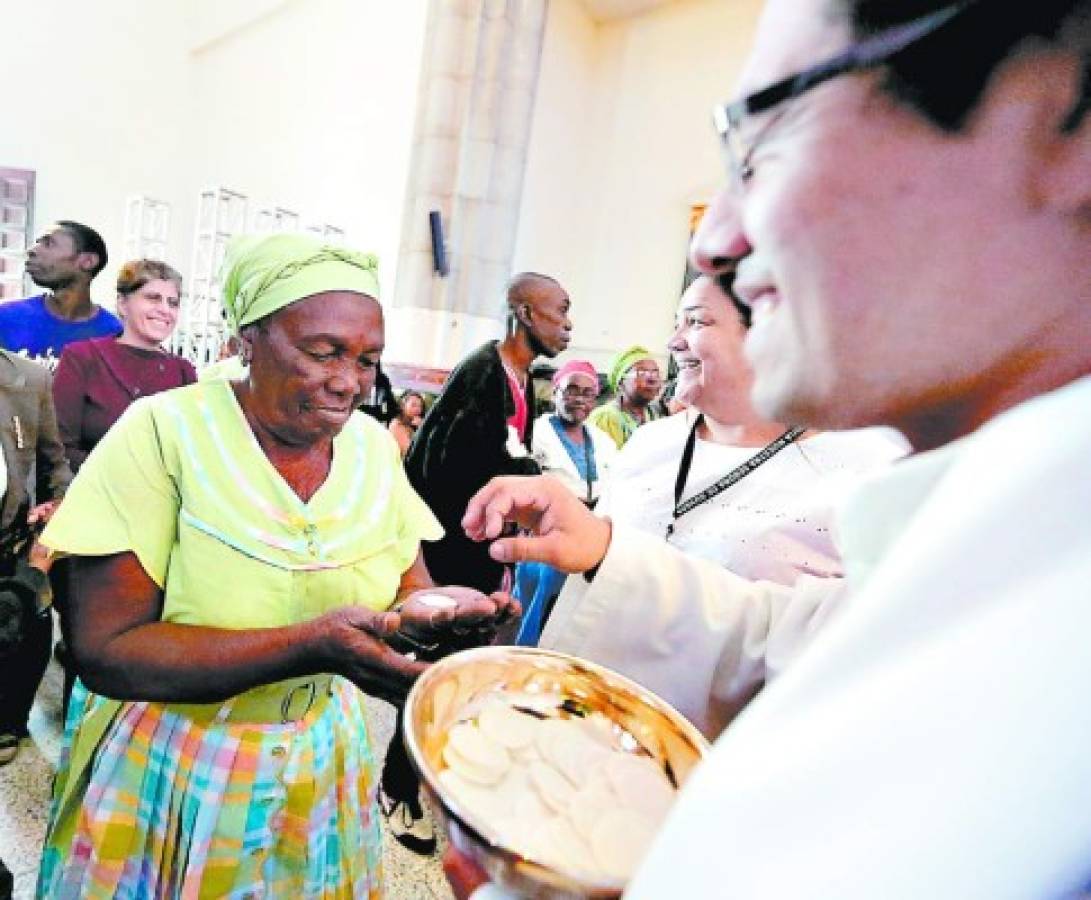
(64, 260)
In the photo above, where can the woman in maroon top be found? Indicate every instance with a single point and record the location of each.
(96, 380)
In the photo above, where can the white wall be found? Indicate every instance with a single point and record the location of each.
(312, 106)
(99, 108)
(558, 209)
(216, 20)
(307, 104)
(622, 146)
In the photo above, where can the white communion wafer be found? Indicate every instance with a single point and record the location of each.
(437, 601)
(640, 784)
(506, 726)
(526, 755)
(542, 845)
(588, 804)
(554, 788)
(530, 839)
(570, 750)
(522, 797)
(547, 733)
(570, 851)
(528, 807)
(620, 840)
(468, 741)
(591, 756)
(512, 832)
(517, 778)
(470, 770)
(566, 792)
(479, 801)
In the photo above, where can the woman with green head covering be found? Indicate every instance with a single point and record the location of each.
(634, 378)
(246, 552)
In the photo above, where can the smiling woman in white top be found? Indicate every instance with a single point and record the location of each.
(722, 483)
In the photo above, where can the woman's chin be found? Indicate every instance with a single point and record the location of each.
(153, 339)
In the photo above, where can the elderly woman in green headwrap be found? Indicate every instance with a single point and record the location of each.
(635, 381)
(244, 552)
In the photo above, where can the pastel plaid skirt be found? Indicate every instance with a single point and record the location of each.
(168, 807)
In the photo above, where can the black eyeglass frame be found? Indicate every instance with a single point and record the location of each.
(866, 54)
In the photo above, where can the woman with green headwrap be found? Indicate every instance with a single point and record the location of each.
(244, 552)
(635, 381)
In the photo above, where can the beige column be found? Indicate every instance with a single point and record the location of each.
(478, 86)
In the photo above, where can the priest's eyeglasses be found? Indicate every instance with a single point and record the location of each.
(730, 119)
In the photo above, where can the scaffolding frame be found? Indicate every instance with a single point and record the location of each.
(147, 228)
(202, 329)
(16, 230)
(222, 213)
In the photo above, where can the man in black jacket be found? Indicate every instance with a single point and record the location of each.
(478, 428)
(481, 425)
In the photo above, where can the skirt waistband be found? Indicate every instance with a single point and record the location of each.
(280, 703)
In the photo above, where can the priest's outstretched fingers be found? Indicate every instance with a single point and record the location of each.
(562, 531)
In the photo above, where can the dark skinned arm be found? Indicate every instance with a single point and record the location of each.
(122, 649)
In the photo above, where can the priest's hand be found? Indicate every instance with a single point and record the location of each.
(562, 531)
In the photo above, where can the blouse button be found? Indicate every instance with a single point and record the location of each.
(311, 534)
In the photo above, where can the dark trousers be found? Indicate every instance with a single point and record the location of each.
(6, 882)
(399, 780)
(21, 673)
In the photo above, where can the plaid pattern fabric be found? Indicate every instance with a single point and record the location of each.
(177, 809)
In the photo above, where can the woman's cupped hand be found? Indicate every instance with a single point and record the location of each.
(454, 617)
(352, 641)
(368, 647)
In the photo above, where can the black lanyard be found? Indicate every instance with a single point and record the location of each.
(735, 475)
(588, 461)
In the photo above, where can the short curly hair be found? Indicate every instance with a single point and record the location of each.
(87, 240)
(138, 272)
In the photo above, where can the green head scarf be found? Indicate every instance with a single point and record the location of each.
(261, 274)
(623, 362)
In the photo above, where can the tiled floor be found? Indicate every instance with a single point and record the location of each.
(24, 800)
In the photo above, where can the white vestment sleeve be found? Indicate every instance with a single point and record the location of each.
(699, 636)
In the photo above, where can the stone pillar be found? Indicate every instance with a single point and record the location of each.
(475, 105)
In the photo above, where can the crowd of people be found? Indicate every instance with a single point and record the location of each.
(847, 542)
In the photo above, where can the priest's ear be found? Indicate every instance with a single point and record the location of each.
(1039, 107)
